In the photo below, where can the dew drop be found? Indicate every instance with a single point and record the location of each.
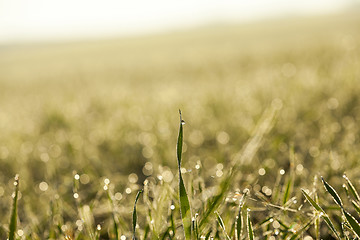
(106, 181)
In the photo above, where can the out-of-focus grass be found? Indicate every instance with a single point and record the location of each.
(108, 110)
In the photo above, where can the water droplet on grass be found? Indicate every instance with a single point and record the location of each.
(43, 186)
(106, 181)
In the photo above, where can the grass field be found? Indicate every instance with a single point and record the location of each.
(269, 107)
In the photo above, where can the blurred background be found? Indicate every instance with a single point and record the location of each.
(41, 20)
(93, 88)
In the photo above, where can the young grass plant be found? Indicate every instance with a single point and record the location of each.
(354, 224)
(183, 197)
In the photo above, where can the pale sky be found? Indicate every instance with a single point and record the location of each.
(43, 20)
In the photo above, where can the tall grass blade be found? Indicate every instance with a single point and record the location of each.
(13, 218)
(238, 226)
(323, 214)
(134, 216)
(332, 192)
(222, 225)
(249, 226)
(352, 188)
(180, 140)
(183, 197)
(353, 222)
(356, 206)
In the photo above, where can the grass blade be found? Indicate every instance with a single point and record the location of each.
(356, 206)
(222, 225)
(13, 219)
(134, 216)
(353, 223)
(324, 215)
(249, 226)
(183, 197)
(180, 140)
(238, 226)
(287, 191)
(352, 188)
(332, 192)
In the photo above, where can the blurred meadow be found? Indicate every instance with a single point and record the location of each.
(88, 121)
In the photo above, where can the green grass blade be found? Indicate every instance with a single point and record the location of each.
(356, 206)
(185, 209)
(324, 215)
(332, 192)
(249, 226)
(238, 226)
(146, 231)
(352, 188)
(222, 225)
(287, 191)
(134, 216)
(353, 223)
(180, 140)
(183, 197)
(13, 218)
(312, 202)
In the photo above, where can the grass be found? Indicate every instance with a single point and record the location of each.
(270, 108)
